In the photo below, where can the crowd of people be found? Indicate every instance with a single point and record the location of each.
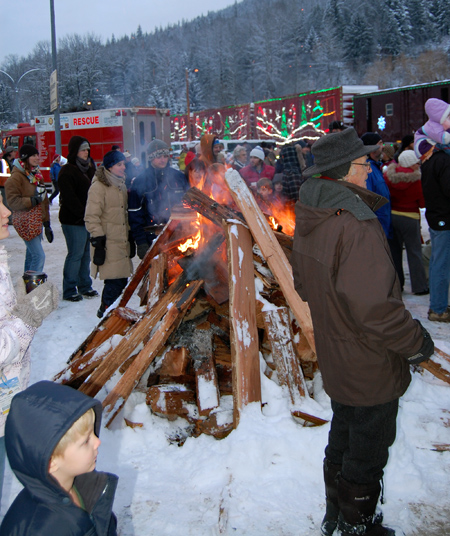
(357, 204)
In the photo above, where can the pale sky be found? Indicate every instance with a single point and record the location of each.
(26, 22)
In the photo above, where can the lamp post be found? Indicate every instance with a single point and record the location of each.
(16, 88)
(54, 64)
(188, 106)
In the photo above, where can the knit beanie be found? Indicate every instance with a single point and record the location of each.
(26, 151)
(157, 148)
(112, 158)
(84, 146)
(371, 138)
(407, 159)
(258, 152)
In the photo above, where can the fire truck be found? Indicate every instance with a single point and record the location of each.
(129, 128)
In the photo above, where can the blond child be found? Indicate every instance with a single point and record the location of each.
(52, 443)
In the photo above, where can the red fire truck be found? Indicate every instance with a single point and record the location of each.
(129, 128)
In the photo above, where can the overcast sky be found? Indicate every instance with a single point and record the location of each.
(26, 22)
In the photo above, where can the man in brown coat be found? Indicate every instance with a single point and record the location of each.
(365, 338)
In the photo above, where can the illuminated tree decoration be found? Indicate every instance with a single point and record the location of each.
(318, 109)
(381, 122)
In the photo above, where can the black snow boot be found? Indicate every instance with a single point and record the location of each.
(101, 310)
(357, 504)
(331, 475)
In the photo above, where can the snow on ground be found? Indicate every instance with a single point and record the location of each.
(266, 476)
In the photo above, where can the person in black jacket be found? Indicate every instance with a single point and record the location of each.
(74, 182)
(51, 442)
(153, 195)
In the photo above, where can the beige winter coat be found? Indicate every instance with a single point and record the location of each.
(107, 215)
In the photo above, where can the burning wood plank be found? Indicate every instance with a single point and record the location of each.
(289, 371)
(244, 334)
(210, 209)
(271, 249)
(116, 398)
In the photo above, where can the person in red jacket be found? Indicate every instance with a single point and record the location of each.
(405, 187)
(256, 169)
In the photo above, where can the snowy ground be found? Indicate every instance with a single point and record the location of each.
(266, 476)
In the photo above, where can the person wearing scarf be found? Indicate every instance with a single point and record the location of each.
(74, 183)
(106, 220)
(25, 190)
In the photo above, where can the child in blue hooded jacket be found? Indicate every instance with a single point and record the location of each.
(52, 441)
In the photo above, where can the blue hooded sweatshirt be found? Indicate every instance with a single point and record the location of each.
(38, 418)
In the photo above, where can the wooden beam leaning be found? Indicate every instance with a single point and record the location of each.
(271, 249)
(289, 371)
(158, 246)
(117, 397)
(244, 333)
(128, 344)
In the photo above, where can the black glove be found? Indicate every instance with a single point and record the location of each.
(39, 195)
(99, 243)
(48, 232)
(142, 250)
(132, 245)
(425, 351)
(35, 200)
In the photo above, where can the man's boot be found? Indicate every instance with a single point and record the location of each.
(357, 504)
(331, 475)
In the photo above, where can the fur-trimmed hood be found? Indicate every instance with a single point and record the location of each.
(396, 174)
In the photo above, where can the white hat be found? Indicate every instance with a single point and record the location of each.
(258, 152)
(407, 159)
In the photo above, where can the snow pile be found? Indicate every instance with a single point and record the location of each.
(265, 478)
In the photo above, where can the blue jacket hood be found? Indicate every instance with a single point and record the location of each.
(38, 418)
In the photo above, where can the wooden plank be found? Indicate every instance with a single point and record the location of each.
(208, 396)
(175, 362)
(170, 399)
(134, 337)
(244, 333)
(117, 397)
(207, 207)
(289, 371)
(271, 249)
(156, 273)
(159, 245)
(436, 370)
(316, 421)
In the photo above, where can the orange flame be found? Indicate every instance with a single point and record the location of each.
(191, 243)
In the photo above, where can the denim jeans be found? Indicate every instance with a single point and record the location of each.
(76, 278)
(34, 256)
(439, 272)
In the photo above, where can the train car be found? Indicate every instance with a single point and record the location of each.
(395, 112)
(285, 119)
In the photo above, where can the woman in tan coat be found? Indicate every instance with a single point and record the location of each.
(106, 220)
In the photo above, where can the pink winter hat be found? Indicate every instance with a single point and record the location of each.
(437, 110)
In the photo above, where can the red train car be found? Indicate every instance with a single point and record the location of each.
(398, 111)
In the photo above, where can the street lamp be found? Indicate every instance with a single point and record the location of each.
(16, 88)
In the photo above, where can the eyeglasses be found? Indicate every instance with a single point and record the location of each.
(366, 164)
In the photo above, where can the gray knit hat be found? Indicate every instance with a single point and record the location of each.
(334, 150)
(157, 148)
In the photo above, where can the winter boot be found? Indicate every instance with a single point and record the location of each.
(331, 475)
(357, 504)
(101, 310)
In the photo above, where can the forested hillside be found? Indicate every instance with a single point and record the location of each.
(256, 49)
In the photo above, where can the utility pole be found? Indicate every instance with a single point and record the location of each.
(188, 105)
(54, 64)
